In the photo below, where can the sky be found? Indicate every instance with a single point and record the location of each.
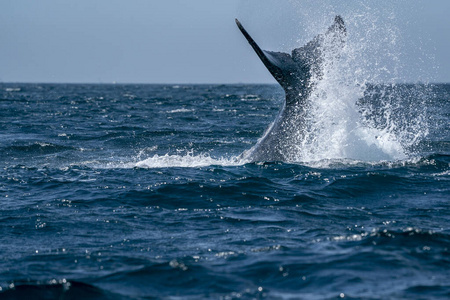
(197, 41)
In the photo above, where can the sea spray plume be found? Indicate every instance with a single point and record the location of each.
(298, 73)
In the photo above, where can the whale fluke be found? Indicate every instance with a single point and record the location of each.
(293, 72)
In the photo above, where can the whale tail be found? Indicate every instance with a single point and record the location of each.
(295, 69)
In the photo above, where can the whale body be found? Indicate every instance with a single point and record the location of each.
(297, 73)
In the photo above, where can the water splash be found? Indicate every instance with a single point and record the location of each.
(357, 110)
(190, 160)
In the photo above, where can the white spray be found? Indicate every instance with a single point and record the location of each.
(339, 127)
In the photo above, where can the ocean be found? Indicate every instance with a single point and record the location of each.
(113, 191)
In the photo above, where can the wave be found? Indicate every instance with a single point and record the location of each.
(56, 289)
(37, 147)
(180, 110)
(191, 160)
(439, 163)
(320, 268)
(186, 161)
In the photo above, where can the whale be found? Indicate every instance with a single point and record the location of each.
(298, 73)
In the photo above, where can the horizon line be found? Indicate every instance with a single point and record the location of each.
(195, 83)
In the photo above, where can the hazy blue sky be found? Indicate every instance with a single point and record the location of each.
(197, 41)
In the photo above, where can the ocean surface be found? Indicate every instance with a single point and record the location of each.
(141, 192)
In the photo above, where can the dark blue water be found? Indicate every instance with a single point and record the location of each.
(136, 191)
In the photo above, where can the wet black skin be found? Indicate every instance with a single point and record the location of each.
(293, 72)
